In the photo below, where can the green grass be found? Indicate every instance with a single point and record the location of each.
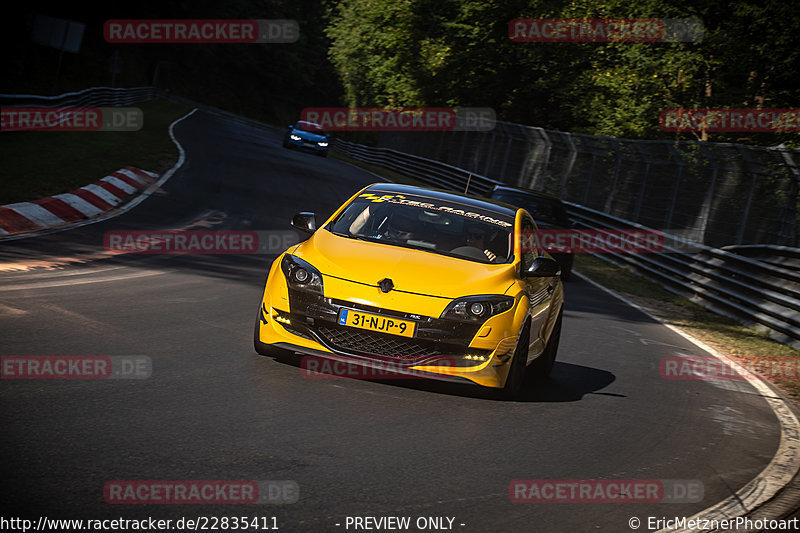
(38, 164)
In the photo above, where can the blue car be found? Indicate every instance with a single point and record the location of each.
(307, 136)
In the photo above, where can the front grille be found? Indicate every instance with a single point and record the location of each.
(364, 342)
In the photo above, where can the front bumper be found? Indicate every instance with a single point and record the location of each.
(441, 349)
(305, 144)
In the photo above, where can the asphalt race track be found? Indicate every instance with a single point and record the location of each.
(215, 410)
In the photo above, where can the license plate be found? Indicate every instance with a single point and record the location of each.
(384, 324)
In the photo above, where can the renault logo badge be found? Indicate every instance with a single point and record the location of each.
(386, 285)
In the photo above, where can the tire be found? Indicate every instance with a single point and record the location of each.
(516, 374)
(543, 364)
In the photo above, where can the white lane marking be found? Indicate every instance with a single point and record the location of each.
(36, 214)
(784, 464)
(65, 282)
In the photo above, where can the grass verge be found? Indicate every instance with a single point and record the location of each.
(752, 348)
(39, 164)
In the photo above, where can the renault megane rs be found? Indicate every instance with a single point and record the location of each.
(430, 283)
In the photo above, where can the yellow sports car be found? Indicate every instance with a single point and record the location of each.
(425, 282)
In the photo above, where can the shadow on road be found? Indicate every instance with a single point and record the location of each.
(567, 383)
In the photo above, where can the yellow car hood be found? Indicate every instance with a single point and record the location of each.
(413, 271)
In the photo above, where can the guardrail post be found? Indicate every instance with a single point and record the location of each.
(646, 160)
(749, 202)
(590, 173)
(675, 187)
(706, 213)
(789, 218)
(615, 177)
(542, 171)
(573, 155)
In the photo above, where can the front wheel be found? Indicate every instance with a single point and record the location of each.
(543, 364)
(516, 374)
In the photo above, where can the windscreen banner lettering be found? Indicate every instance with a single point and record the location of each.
(403, 200)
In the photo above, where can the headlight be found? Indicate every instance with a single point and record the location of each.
(300, 275)
(477, 308)
(323, 144)
(294, 137)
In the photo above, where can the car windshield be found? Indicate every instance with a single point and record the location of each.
(428, 224)
(309, 127)
(543, 210)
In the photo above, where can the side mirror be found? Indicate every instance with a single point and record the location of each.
(543, 267)
(305, 222)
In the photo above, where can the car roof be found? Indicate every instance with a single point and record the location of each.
(306, 123)
(447, 196)
(529, 192)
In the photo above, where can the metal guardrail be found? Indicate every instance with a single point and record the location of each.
(166, 95)
(720, 193)
(756, 293)
(431, 172)
(92, 97)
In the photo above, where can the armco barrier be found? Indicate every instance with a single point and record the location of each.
(92, 97)
(759, 294)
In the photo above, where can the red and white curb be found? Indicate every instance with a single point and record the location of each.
(84, 203)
